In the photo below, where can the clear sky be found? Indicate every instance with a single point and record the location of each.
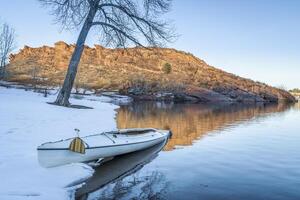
(257, 39)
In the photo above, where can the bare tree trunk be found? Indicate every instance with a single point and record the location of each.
(3, 72)
(64, 94)
(7, 44)
(2, 69)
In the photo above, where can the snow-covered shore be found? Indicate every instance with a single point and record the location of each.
(26, 121)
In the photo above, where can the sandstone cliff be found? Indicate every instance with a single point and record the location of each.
(141, 73)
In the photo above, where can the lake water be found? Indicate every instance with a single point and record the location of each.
(216, 152)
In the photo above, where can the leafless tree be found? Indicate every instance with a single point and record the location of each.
(119, 23)
(7, 45)
(34, 72)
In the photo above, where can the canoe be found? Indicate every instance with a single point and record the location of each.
(100, 146)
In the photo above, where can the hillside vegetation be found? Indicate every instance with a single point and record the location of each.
(157, 73)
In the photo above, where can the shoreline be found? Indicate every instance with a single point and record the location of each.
(121, 97)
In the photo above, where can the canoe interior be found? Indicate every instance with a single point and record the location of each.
(104, 138)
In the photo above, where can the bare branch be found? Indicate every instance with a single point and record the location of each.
(7, 45)
(118, 31)
(135, 22)
(70, 13)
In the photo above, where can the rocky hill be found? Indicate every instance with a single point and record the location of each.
(156, 73)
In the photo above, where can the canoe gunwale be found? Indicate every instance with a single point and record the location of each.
(98, 147)
(124, 131)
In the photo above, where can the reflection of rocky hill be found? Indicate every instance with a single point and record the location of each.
(102, 68)
(189, 122)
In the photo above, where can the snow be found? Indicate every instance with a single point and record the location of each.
(26, 121)
(113, 98)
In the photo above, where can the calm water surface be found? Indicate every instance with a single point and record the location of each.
(216, 152)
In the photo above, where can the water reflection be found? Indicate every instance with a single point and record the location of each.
(256, 161)
(297, 106)
(189, 122)
(122, 173)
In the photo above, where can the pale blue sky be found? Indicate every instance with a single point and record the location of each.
(257, 39)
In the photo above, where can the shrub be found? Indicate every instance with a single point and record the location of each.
(282, 87)
(296, 90)
(167, 68)
(79, 97)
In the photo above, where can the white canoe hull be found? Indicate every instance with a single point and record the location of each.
(99, 146)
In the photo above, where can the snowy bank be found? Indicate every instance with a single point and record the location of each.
(26, 121)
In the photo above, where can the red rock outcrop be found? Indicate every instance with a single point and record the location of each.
(119, 69)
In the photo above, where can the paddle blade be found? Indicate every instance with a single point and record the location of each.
(77, 145)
